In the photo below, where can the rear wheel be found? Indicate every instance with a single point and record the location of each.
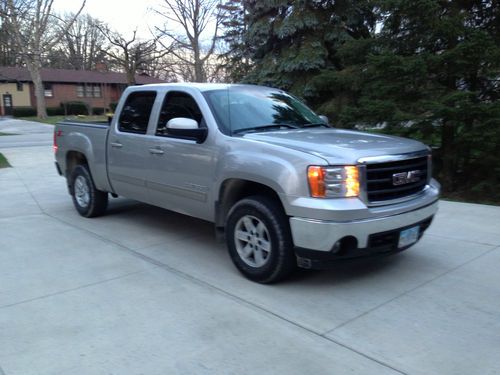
(88, 201)
(259, 240)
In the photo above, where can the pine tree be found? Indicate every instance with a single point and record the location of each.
(426, 69)
(236, 59)
(296, 40)
(433, 74)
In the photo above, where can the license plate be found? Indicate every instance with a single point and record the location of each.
(408, 236)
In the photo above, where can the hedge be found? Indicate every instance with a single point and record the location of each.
(55, 111)
(98, 111)
(74, 108)
(23, 111)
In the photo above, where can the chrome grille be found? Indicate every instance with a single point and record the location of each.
(396, 179)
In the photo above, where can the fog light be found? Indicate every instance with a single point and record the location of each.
(336, 248)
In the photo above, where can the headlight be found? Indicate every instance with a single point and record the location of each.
(333, 182)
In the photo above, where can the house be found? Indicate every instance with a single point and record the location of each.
(97, 89)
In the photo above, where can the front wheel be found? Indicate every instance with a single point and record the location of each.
(259, 240)
(88, 201)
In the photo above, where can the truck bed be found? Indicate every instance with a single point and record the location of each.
(88, 138)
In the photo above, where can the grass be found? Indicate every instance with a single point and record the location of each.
(3, 162)
(52, 120)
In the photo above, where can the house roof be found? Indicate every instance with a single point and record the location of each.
(13, 74)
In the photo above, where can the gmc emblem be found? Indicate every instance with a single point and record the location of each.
(406, 177)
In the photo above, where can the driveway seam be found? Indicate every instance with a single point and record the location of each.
(229, 295)
(462, 240)
(69, 290)
(28, 190)
(409, 291)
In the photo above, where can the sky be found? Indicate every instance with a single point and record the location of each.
(122, 15)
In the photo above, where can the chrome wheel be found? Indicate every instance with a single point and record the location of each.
(252, 241)
(82, 191)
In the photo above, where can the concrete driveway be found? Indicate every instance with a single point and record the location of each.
(146, 291)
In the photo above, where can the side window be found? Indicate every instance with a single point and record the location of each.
(135, 114)
(177, 104)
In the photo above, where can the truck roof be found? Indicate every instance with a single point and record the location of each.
(199, 86)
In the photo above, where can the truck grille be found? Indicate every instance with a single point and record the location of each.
(396, 179)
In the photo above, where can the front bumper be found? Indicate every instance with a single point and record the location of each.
(328, 240)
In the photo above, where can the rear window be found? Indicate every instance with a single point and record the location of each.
(135, 114)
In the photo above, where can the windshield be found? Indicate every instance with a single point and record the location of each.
(239, 109)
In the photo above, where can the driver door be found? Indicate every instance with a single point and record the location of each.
(180, 171)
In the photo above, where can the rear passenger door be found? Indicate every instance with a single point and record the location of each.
(128, 147)
(180, 171)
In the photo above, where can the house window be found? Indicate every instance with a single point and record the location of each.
(80, 91)
(19, 86)
(97, 91)
(47, 90)
(88, 91)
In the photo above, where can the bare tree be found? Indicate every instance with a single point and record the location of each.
(132, 55)
(84, 42)
(32, 26)
(195, 17)
(163, 67)
(8, 51)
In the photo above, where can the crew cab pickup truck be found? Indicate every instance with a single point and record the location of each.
(282, 186)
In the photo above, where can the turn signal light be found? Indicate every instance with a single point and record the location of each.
(333, 182)
(316, 176)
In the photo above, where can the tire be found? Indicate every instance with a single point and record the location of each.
(88, 201)
(259, 240)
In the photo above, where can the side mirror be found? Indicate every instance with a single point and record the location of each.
(186, 128)
(182, 123)
(324, 119)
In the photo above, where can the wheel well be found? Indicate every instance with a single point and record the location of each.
(74, 158)
(233, 190)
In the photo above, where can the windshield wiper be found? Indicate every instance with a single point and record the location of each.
(265, 127)
(315, 124)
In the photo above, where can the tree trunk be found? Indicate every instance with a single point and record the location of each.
(448, 155)
(131, 77)
(199, 75)
(34, 69)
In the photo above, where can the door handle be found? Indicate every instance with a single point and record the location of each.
(156, 151)
(116, 145)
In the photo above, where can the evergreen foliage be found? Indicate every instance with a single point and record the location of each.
(234, 21)
(424, 69)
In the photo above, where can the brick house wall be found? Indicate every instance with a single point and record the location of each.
(68, 92)
(98, 89)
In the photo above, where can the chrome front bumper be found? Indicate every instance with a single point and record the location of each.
(321, 235)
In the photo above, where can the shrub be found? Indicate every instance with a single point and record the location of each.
(74, 108)
(113, 106)
(55, 111)
(98, 111)
(23, 111)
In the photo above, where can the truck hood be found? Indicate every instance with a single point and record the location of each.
(338, 146)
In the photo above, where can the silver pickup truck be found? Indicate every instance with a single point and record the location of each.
(284, 188)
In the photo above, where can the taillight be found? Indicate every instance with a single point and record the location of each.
(57, 133)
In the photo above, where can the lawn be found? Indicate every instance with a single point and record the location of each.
(3, 162)
(55, 119)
